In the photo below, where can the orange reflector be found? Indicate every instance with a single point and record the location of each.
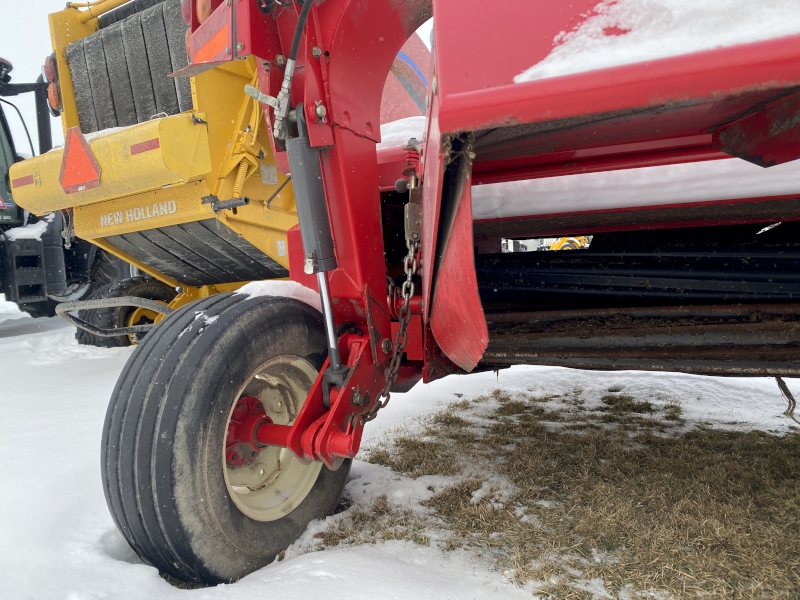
(79, 168)
(203, 10)
(53, 97)
(51, 68)
(214, 46)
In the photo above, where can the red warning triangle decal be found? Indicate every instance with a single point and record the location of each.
(79, 168)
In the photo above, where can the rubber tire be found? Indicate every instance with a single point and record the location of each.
(163, 436)
(141, 287)
(107, 269)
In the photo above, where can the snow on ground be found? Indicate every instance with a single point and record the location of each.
(57, 540)
(630, 31)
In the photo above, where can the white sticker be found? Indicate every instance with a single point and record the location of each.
(269, 175)
(281, 248)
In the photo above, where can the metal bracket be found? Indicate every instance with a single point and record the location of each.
(260, 96)
(412, 215)
(218, 205)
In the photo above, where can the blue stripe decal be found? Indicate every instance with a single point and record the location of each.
(406, 58)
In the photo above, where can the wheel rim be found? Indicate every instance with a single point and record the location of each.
(140, 316)
(268, 483)
(75, 291)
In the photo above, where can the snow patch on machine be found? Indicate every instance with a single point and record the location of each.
(284, 289)
(29, 232)
(725, 179)
(623, 32)
(397, 133)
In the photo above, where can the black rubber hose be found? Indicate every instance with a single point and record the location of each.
(24, 126)
(63, 310)
(298, 31)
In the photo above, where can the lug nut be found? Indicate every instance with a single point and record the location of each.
(386, 345)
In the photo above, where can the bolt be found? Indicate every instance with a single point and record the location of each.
(259, 406)
(253, 454)
(316, 51)
(240, 45)
(261, 471)
(320, 111)
(386, 345)
(234, 457)
(280, 60)
(359, 399)
(227, 49)
(280, 404)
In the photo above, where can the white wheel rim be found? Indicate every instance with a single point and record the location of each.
(275, 482)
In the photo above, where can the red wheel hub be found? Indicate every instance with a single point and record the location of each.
(241, 446)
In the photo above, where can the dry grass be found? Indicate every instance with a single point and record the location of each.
(636, 502)
(625, 403)
(416, 457)
(378, 522)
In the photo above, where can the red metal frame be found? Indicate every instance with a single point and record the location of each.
(680, 109)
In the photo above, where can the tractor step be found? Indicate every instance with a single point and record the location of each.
(26, 279)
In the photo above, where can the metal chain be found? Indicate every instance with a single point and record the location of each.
(410, 265)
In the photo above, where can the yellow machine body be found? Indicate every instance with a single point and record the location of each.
(220, 149)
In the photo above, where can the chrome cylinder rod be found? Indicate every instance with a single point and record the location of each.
(330, 325)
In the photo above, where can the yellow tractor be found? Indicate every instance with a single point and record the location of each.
(571, 243)
(173, 175)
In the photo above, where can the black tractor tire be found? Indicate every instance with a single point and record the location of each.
(46, 308)
(141, 287)
(107, 269)
(163, 445)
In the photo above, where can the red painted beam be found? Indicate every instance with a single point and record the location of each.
(719, 74)
(767, 137)
(594, 165)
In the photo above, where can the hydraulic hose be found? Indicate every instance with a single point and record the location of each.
(278, 130)
(298, 30)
